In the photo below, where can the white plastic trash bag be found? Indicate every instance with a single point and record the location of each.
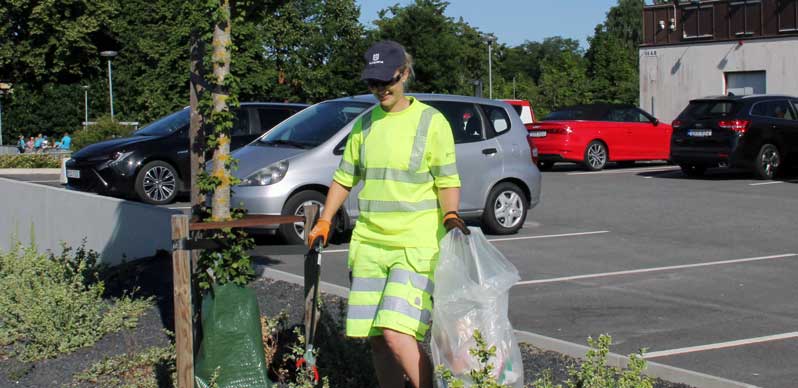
(471, 290)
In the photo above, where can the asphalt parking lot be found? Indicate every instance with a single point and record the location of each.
(700, 272)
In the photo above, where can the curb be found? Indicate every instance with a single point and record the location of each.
(29, 171)
(653, 369)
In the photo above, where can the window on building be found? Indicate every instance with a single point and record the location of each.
(698, 22)
(745, 16)
(788, 15)
(741, 83)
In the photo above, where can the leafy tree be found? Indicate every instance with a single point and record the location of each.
(612, 57)
(613, 68)
(448, 54)
(562, 83)
(52, 41)
(528, 57)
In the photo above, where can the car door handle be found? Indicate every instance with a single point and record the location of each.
(489, 151)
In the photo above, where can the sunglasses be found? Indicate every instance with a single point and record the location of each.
(375, 84)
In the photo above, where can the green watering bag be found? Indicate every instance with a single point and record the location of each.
(231, 340)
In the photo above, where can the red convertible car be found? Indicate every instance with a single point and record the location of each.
(600, 133)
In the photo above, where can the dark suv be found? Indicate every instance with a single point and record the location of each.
(753, 132)
(153, 163)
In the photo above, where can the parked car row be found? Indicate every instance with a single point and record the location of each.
(153, 164)
(753, 132)
(292, 164)
(288, 152)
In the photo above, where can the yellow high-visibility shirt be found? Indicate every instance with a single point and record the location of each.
(403, 158)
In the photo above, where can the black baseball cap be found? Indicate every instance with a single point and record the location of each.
(382, 60)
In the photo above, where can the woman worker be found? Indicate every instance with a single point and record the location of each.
(403, 151)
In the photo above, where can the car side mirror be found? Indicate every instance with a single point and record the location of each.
(655, 122)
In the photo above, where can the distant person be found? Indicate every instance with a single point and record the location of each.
(21, 144)
(45, 143)
(37, 144)
(65, 142)
(30, 145)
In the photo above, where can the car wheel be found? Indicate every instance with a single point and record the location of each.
(295, 206)
(767, 162)
(545, 166)
(505, 210)
(595, 156)
(693, 170)
(157, 183)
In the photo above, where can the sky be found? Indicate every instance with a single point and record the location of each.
(515, 21)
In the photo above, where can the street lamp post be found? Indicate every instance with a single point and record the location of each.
(5, 88)
(109, 55)
(490, 39)
(85, 105)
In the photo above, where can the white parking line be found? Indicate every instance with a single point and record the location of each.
(180, 207)
(765, 183)
(628, 170)
(721, 345)
(549, 236)
(656, 269)
(511, 238)
(50, 181)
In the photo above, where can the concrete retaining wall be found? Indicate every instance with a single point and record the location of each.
(115, 228)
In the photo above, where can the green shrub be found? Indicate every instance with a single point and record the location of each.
(591, 373)
(152, 368)
(30, 161)
(105, 129)
(54, 304)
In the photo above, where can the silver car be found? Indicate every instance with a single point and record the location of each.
(292, 165)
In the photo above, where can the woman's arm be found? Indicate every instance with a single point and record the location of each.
(449, 199)
(335, 198)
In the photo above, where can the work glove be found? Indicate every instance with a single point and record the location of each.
(320, 231)
(452, 220)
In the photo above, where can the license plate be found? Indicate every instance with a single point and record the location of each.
(74, 174)
(699, 132)
(537, 134)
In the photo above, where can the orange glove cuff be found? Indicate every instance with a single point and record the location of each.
(449, 216)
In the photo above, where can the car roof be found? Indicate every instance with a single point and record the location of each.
(426, 97)
(289, 104)
(749, 97)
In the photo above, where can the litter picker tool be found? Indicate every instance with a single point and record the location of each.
(312, 312)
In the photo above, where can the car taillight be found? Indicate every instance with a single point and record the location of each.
(533, 150)
(560, 130)
(676, 123)
(735, 125)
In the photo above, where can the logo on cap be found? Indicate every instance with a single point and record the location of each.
(375, 57)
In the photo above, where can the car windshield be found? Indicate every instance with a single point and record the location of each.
(709, 109)
(166, 125)
(314, 125)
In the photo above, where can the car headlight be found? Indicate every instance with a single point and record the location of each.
(267, 176)
(119, 155)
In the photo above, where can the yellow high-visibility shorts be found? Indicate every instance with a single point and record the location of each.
(391, 288)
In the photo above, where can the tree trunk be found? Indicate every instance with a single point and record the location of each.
(221, 68)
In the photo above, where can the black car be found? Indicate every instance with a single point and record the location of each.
(153, 163)
(754, 132)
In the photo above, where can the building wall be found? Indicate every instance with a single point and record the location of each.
(670, 76)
